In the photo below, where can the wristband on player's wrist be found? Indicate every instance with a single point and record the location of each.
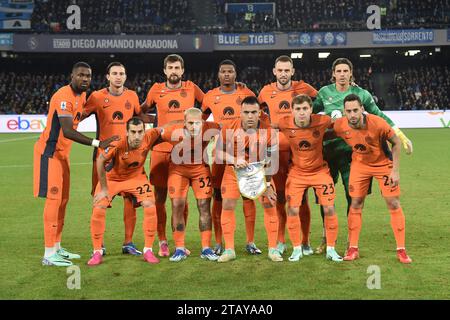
(95, 143)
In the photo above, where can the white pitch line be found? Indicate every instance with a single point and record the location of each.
(18, 139)
(30, 165)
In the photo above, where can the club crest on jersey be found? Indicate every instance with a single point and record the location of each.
(107, 150)
(63, 105)
(127, 105)
(316, 134)
(106, 100)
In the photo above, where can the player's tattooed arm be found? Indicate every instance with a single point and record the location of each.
(70, 133)
(394, 178)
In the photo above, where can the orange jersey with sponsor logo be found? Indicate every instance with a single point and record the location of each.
(369, 143)
(64, 103)
(176, 136)
(306, 143)
(112, 112)
(125, 163)
(225, 106)
(253, 144)
(170, 104)
(279, 101)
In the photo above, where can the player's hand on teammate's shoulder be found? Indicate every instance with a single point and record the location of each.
(241, 85)
(107, 142)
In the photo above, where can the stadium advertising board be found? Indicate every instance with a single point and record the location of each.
(317, 39)
(246, 39)
(21, 123)
(96, 43)
(6, 41)
(408, 36)
(15, 15)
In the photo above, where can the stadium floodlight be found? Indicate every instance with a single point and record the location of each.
(365, 55)
(296, 55)
(323, 55)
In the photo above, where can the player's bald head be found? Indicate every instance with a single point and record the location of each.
(193, 112)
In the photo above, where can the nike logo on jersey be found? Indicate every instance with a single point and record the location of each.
(104, 107)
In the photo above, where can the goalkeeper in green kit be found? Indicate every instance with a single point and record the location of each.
(330, 102)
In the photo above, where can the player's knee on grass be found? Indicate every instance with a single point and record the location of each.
(100, 206)
(178, 205)
(204, 206)
(328, 210)
(147, 204)
(357, 203)
(293, 211)
(229, 204)
(266, 203)
(160, 194)
(393, 203)
(205, 222)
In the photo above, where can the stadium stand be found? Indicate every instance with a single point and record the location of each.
(177, 16)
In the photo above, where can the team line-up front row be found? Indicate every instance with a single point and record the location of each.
(292, 134)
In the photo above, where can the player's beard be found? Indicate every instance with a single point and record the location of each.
(284, 82)
(174, 79)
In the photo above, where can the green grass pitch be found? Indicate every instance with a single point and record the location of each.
(425, 183)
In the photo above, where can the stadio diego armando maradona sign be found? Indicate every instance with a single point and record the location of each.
(97, 43)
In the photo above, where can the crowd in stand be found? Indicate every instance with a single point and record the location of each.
(31, 92)
(115, 16)
(177, 16)
(320, 15)
(422, 88)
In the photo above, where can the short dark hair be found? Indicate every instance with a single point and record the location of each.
(341, 61)
(284, 59)
(135, 121)
(352, 97)
(173, 58)
(250, 100)
(81, 64)
(114, 64)
(300, 99)
(227, 62)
